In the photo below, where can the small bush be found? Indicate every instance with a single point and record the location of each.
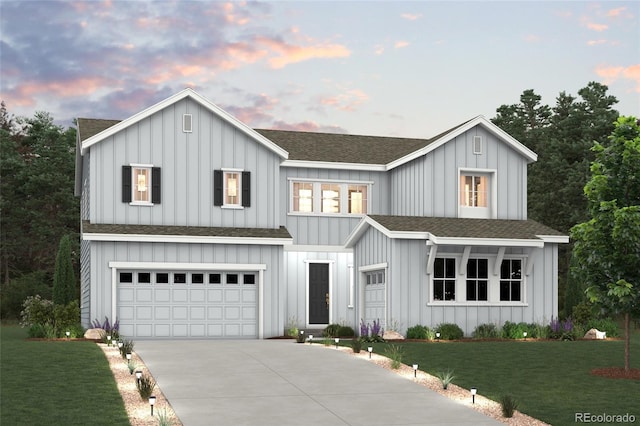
(332, 330)
(66, 317)
(301, 337)
(111, 329)
(445, 377)
(145, 386)
(509, 405)
(126, 348)
(36, 310)
(346, 331)
(163, 418)
(604, 324)
(450, 331)
(394, 353)
(582, 313)
(420, 332)
(356, 345)
(132, 366)
(486, 331)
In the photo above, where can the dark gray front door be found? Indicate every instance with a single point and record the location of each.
(319, 293)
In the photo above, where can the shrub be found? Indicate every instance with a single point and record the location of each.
(292, 329)
(394, 352)
(145, 386)
(65, 317)
(112, 330)
(486, 331)
(582, 313)
(126, 348)
(15, 292)
(346, 331)
(445, 377)
(512, 330)
(509, 405)
(332, 330)
(36, 310)
(604, 324)
(371, 333)
(64, 280)
(356, 345)
(450, 331)
(420, 332)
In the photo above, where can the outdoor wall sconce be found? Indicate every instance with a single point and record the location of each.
(310, 338)
(370, 349)
(152, 402)
(437, 335)
(415, 371)
(337, 340)
(138, 376)
(474, 391)
(128, 355)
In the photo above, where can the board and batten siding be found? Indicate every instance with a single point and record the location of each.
(187, 161)
(428, 185)
(311, 229)
(101, 253)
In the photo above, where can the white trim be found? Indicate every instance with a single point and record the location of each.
(186, 93)
(498, 262)
(351, 285)
(464, 260)
(333, 165)
(474, 303)
(476, 142)
(317, 248)
(188, 266)
(492, 242)
(316, 180)
(184, 123)
(189, 239)
(231, 169)
(373, 267)
(560, 239)
(141, 166)
(261, 303)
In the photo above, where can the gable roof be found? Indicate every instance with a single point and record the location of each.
(446, 230)
(186, 93)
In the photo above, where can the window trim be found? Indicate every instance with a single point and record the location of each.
(489, 212)
(153, 184)
(317, 200)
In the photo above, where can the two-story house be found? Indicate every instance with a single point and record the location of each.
(196, 226)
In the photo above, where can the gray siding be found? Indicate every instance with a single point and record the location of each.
(428, 186)
(85, 284)
(325, 229)
(104, 252)
(187, 161)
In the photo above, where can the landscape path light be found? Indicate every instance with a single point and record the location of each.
(337, 340)
(68, 333)
(152, 402)
(437, 335)
(525, 335)
(138, 376)
(120, 344)
(310, 338)
(109, 340)
(474, 391)
(128, 355)
(415, 371)
(370, 349)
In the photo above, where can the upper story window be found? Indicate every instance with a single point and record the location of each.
(329, 197)
(141, 184)
(475, 194)
(231, 188)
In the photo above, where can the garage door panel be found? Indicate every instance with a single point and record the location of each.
(144, 295)
(162, 330)
(249, 295)
(126, 294)
(232, 330)
(127, 313)
(248, 313)
(231, 313)
(197, 295)
(197, 313)
(214, 295)
(249, 330)
(144, 330)
(162, 313)
(231, 295)
(197, 330)
(144, 313)
(162, 295)
(180, 295)
(180, 330)
(214, 313)
(180, 313)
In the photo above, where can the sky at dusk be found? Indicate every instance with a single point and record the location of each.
(387, 68)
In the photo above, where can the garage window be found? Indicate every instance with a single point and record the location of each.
(162, 278)
(232, 278)
(215, 279)
(126, 277)
(197, 278)
(249, 279)
(144, 277)
(179, 278)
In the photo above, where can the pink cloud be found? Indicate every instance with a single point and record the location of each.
(347, 101)
(596, 42)
(411, 17)
(611, 74)
(290, 53)
(616, 12)
(400, 44)
(597, 27)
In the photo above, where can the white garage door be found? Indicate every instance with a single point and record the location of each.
(198, 304)
(374, 297)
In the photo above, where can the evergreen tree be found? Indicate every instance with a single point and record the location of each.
(64, 280)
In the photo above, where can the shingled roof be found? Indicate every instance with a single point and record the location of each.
(451, 227)
(88, 127)
(191, 231)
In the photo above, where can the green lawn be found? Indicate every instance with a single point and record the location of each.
(56, 383)
(551, 380)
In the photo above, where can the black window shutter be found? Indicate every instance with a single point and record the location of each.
(126, 184)
(156, 185)
(217, 188)
(246, 189)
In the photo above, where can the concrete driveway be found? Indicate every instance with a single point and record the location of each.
(279, 382)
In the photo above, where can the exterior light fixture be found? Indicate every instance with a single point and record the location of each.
(370, 349)
(128, 355)
(120, 344)
(525, 335)
(415, 371)
(310, 338)
(109, 340)
(474, 391)
(138, 376)
(337, 340)
(152, 402)
(68, 333)
(437, 335)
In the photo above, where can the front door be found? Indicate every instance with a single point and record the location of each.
(319, 293)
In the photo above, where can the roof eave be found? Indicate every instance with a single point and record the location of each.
(308, 164)
(192, 239)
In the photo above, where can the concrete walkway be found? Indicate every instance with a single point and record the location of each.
(279, 382)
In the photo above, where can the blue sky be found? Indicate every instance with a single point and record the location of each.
(382, 68)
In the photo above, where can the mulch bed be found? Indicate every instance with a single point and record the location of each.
(617, 373)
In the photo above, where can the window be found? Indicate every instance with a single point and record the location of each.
(249, 279)
(511, 280)
(444, 279)
(231, 188)
(215, 278)
(144, 277)
(330, 198)
(375, 277)
(232, 278)
(477, 144)
(126, 277)
(179, 278)
(187, 123)
(474, 191)
(477, 279)
(303, 197)
(141, 184)
(162, 278)
(197, 278)
(357, 199)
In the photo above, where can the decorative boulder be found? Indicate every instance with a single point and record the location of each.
(595, 334)
(94, 334)
(392, 335)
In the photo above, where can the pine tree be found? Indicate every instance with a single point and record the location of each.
(64, 280)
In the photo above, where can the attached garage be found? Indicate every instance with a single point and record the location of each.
(218, 301)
